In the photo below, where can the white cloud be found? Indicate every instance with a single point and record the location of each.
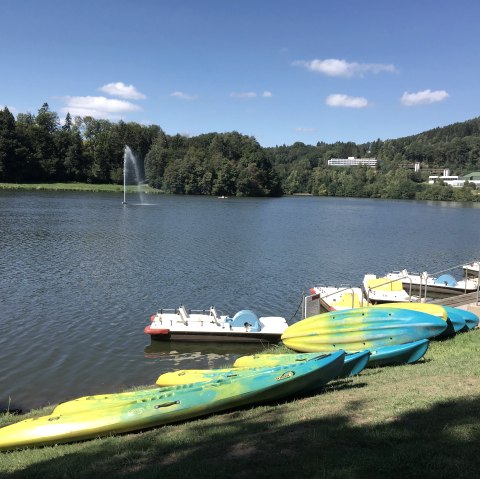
(251, 94)
(423, 97)
(341, 68)
(305, 130)
(247, 94)
(341, 100)
(122, 90)
(97, 106)
(183, 96)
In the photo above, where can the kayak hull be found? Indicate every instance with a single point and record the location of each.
(171, 406)
(461, 318)
(361, 328)
(399, 354)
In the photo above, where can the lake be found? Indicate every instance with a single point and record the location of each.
(80, 274)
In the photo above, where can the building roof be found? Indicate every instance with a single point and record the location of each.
(474, 175)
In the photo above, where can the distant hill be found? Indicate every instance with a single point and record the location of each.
(303, 168)
(455, 146)
(448, 133)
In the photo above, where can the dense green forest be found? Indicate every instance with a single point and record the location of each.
(40, 148)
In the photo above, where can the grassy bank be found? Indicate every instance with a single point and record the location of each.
(76, 187)
(417, 420)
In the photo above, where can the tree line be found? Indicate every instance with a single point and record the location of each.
(40, 148)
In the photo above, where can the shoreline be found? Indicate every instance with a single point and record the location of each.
(146, 189)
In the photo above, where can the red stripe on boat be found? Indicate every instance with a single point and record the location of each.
(155, 332)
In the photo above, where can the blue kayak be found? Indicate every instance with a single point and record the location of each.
(462, 316)
(355, 363)
(398, 354)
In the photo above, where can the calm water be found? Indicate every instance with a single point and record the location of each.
(80, 274)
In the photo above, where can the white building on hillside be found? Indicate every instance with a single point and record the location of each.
(455, 181)
(352, 161)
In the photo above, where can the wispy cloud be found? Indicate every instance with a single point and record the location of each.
(246, 94)
(123, 91)
(423, 97)
(302, 129)
(341, 68)
(183, 96)
(341, 100)
(98, 106)
(251, 94)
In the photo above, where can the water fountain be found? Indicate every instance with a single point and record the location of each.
(130, 158)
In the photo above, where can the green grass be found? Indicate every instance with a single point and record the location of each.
(77, 187)
(420, 420)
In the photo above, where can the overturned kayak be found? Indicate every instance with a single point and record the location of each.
(434, 309)
(455, 321)
(170, 406)
(398, 354)
(361, 328)
(462, 317)
(353, 364)
(388, 355)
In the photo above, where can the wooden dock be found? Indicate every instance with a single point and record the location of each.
(458, 300)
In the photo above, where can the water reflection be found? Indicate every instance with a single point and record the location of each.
(162, 348)
(173, 355)
(170, 356)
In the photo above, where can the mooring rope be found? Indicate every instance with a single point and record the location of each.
(298, 307)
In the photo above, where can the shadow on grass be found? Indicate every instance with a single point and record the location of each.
(440, 442)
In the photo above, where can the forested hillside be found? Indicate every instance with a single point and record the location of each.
(40, 148)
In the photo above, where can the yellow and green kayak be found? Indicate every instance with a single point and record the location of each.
(353, 364)
(361, 328)
(164, 407)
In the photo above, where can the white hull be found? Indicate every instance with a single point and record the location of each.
(434, 286)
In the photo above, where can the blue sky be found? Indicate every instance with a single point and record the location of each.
(282, 71)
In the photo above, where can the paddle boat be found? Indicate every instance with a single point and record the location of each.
(426, 285)
(384, 290)
(207, 325)
(472, 269)
(337, 299)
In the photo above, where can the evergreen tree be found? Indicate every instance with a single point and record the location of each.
(8, 146)
(44, 144)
